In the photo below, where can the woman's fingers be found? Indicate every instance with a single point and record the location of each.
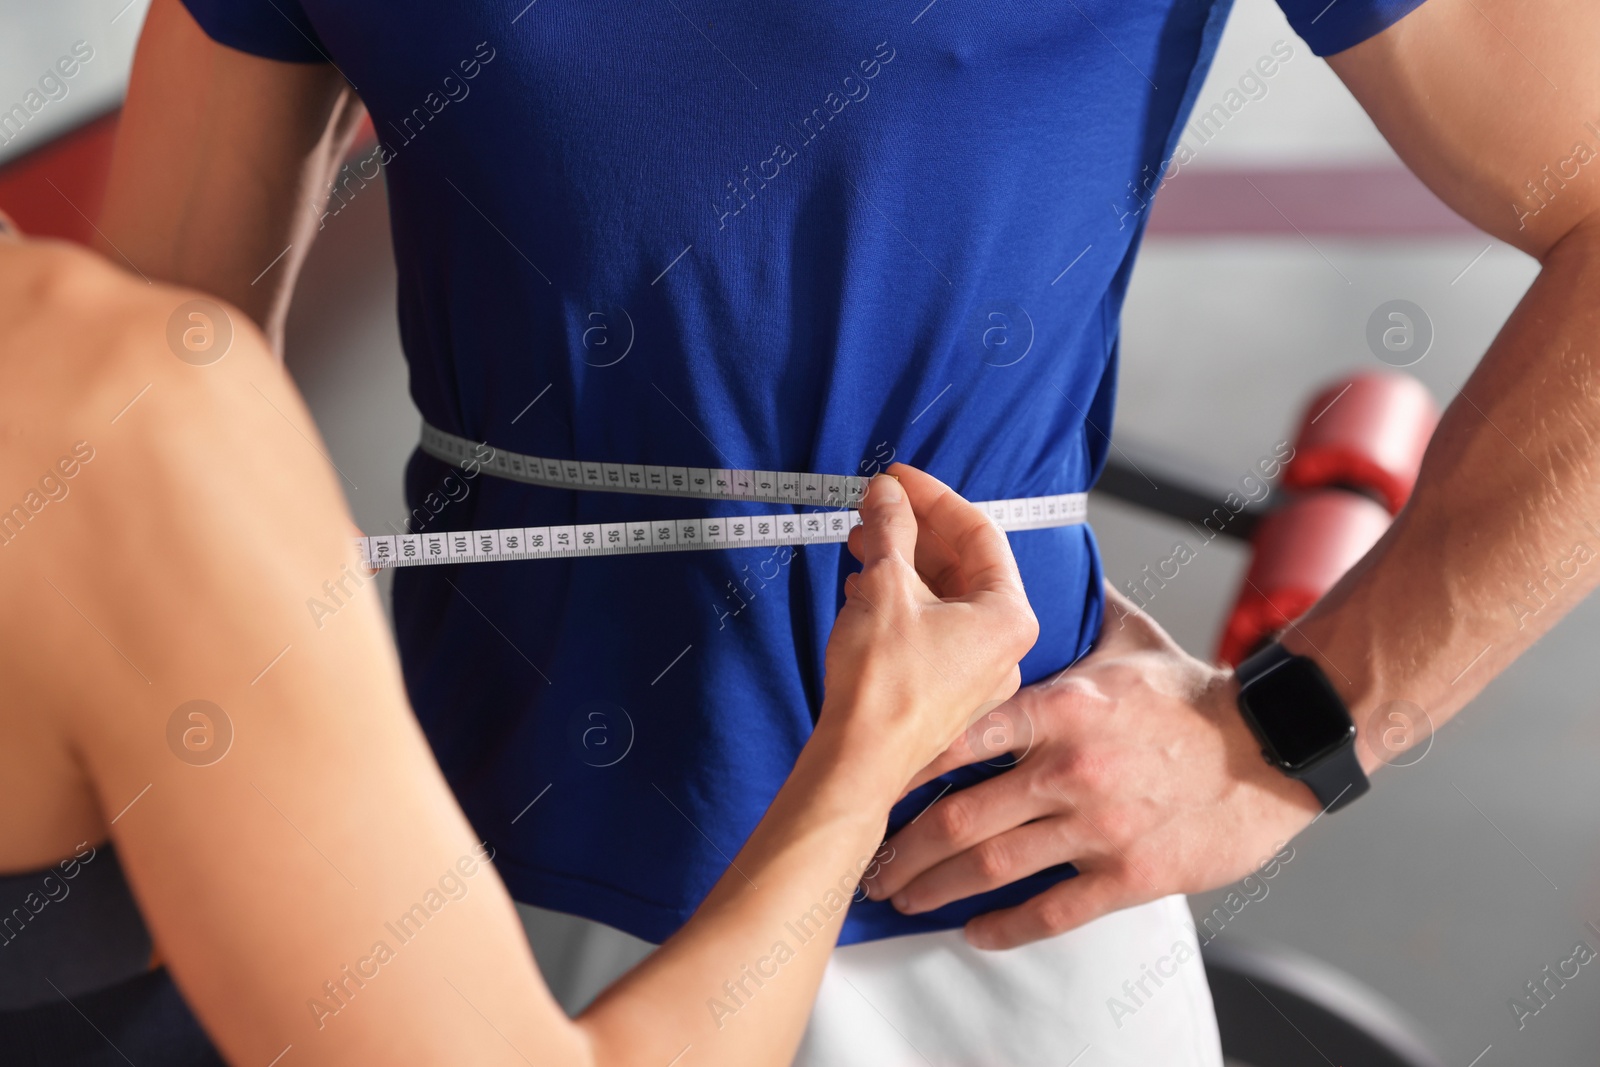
(888, 527)
(959, 548)
(963, 555)
(936, 558)
(936, 660)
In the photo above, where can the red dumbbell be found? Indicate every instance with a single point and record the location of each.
(1300, 551)
(1367, 433)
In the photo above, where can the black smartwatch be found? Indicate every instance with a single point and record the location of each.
(1304, 727)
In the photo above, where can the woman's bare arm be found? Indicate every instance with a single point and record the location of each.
(317, 886)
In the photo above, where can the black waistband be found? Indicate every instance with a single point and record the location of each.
(69, 929)
(143, 1020)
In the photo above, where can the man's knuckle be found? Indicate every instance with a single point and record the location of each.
(1052, 916)
(1089, 774)
(952, 820)
(1052, 782)
(1063, 704)
(1048, 783)
(1123, 677)
(992, 862)
(1117, 827)
(1114, 870)
(1066, 773)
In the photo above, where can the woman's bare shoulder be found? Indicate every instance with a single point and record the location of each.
(156, 459)
(78, 328)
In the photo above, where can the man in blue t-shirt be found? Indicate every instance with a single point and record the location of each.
(737, 236)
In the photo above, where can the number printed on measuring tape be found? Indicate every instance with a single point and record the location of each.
(825, 490)
(838, 492)
(676, 535)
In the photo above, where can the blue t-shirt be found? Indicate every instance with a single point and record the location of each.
(736, 234)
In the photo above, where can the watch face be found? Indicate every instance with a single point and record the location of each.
(1298, 715)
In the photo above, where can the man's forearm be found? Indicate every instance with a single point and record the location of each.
(1502, 535)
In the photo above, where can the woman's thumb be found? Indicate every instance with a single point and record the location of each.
(888, 525)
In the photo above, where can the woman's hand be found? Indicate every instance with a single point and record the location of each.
(932, 628)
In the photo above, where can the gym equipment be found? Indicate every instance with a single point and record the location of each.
(1356, 459)
(1300, 551)
(1280, 1008)
(1365, 433)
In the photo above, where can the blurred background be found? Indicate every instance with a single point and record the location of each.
(1464, 874)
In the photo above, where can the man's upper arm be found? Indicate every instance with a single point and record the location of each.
(1495, 104)
(223, 156)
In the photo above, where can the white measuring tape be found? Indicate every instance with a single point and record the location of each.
(667, 535)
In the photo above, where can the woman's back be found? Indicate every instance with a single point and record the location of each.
(165, 521)
(49, 363)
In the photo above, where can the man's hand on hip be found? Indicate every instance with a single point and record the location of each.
(1137, 768)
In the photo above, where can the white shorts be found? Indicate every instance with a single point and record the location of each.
(1128, 990)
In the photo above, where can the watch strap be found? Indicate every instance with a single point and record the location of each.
(1337, 778)
(1264, 660)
